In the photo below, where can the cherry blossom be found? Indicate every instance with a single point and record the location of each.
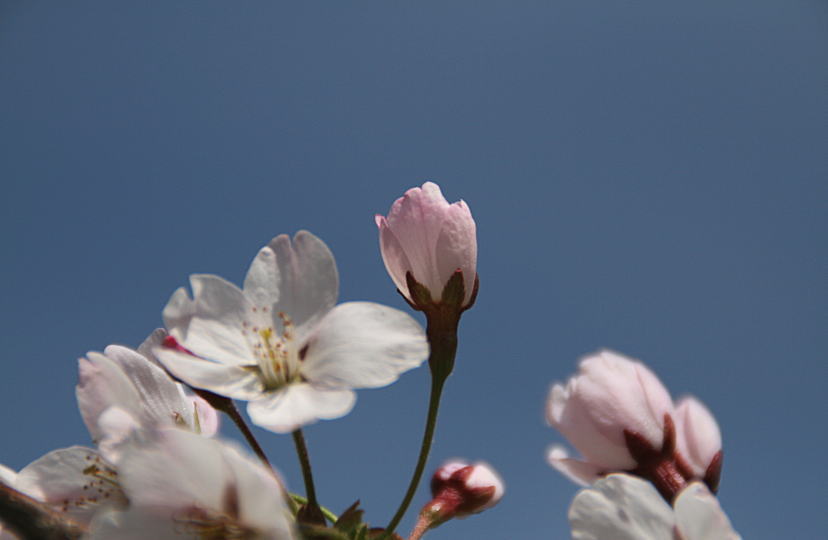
(181, 485)
(624, 507)
(280, 343)
(122, 391)
(611, 398)
(432, 240)
(77, 481)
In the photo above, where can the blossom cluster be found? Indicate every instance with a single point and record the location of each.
(160, 469)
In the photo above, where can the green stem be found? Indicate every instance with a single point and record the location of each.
(307, 474)
(431, 422)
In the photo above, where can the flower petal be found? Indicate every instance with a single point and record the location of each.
(580, 472)
(699, 516)
(393, 255)
(620, 507)
(103, 384)
(298, 278)
(456, 247)
(299, 404)
(211, 325)
(227, 380)
(417, 219)
(76, 480)
(363, 345)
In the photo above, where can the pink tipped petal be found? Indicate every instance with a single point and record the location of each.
(620, 507)
(425, 235)
(227, 380)
(574, 418)
(699, 516)
(456, 247)
(393, 255)
(580, 472)
(363, 345)
(297, 405)
(697, 434)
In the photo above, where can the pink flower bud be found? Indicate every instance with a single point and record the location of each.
(432, 240)
(460, 489)
(698, 440)
(611, 400)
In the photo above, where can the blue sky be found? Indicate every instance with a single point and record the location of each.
(647, 176)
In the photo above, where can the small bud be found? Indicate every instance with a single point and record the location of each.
(460, 489)
(429, 248)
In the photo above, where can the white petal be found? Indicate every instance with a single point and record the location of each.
(393, 256)
(211, 324)
(162, 399)
(298, 278)
(363, 345)
(227, 380)
(620, 507)
(137, 524)
(580, 472)
(65, 479)
(117, 427)
(699, 516)
(155, 339)
(299, 404)
(180, 468)
(182, 471)
(260, 500)
(7, 475)
(103, 384)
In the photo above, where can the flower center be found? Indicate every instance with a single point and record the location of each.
(276, 355)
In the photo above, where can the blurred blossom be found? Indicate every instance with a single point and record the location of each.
(611, 396)
(280, 343)
(624, 507)
(620, 417)
(699, 440)
(432, 240)
(121, 391)
(77, 481)
(183, 485)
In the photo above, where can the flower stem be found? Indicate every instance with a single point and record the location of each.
(228, 407)
(431, 422)
(307, 473)
(422, 526)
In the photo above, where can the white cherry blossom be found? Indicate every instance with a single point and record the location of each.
(181, 485)
(625, 507)
(121, 392)
(280, 343)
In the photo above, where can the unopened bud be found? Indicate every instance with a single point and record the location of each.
(460, 489)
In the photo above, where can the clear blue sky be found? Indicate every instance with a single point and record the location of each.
(648, 176)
